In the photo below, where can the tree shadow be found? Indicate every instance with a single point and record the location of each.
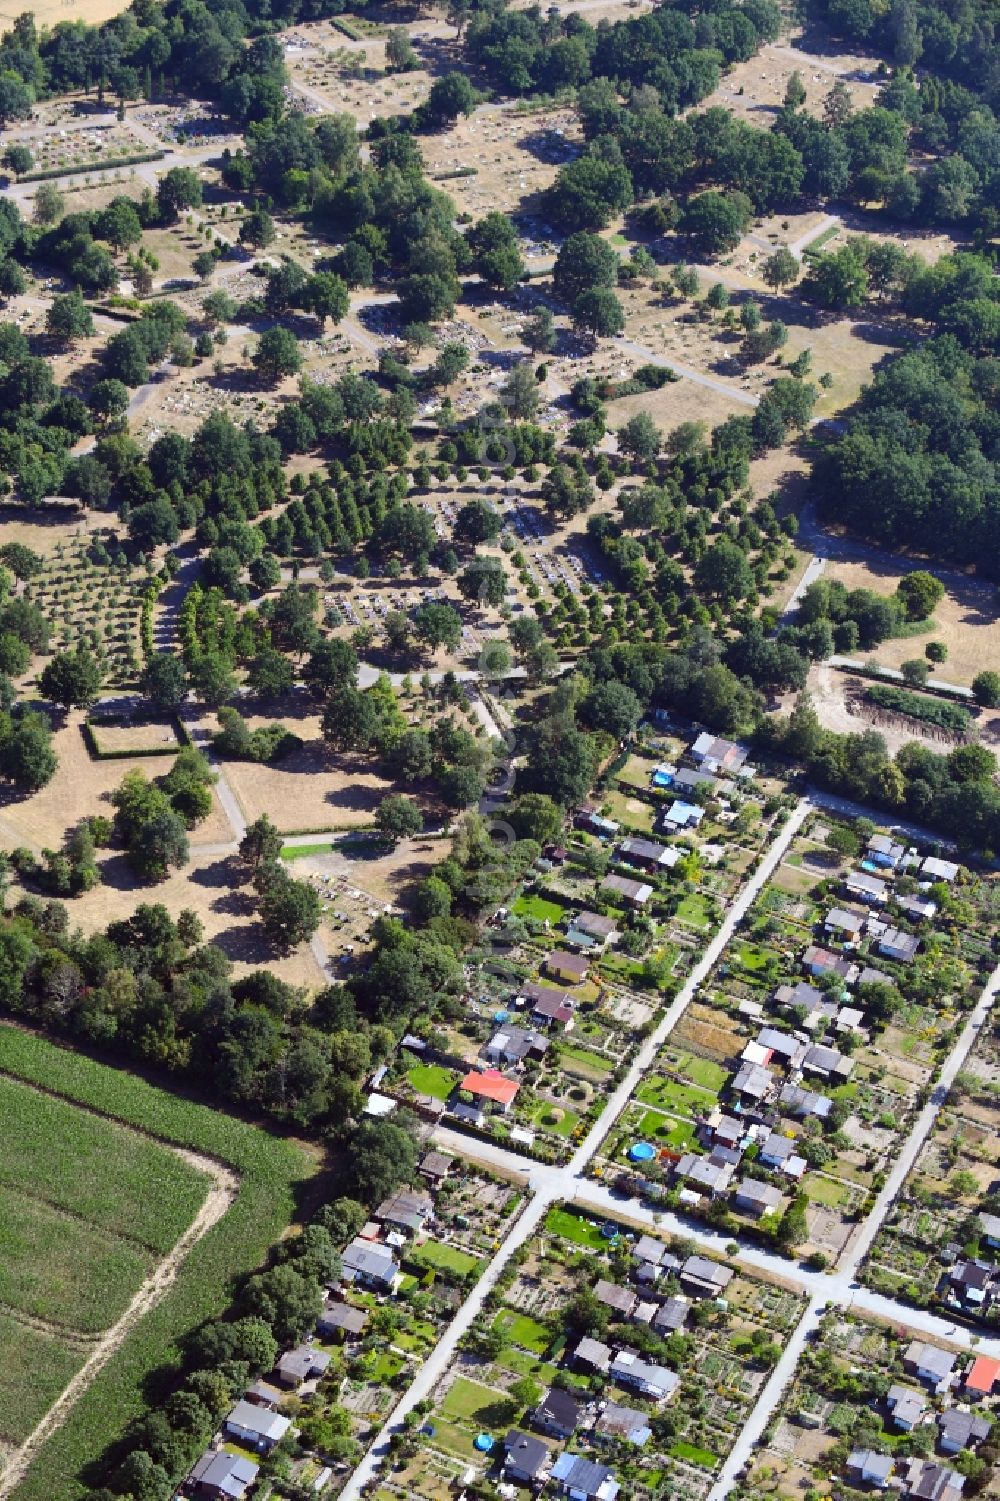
(227, 872)
(549, 146)
(353, 798)
(245, 945)
(241, 903)
(118, 875)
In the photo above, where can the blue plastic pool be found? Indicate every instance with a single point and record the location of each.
(483, 1442)
(642, 1151)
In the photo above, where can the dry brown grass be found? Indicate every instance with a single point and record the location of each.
(80, 789)
(51, 12)
(210, 887)
(313, 788)
(138, 737)
(681, 401)
(967, 620)
(754, 91)
(504, 148)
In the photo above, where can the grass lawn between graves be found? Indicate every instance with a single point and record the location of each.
(270, 1171)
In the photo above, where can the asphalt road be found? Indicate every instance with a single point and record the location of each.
(552, 1184)
(549, 1184)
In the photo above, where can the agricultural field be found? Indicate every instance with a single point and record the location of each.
(88, 1211)
(104, 1181)
(524, 1347)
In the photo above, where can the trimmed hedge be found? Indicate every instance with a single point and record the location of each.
(47, 174)
(347, 28)
(94, 750)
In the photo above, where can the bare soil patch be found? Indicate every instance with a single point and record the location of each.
(835, 693)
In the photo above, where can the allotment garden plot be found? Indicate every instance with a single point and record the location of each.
(601, 1346)
(780, 1098)
(601, 936)
(871, 1407)
(87, 1212)
(939, 1247)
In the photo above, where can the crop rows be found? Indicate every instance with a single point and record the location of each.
(270, 1170)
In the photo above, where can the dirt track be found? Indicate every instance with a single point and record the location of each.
(218, 1200)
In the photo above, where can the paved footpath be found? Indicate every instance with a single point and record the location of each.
(548, 1184)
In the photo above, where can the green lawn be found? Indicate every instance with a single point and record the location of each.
(704, 1072)
(523, 1330)
(694, 911)
(523, 1364)
(270, 1170)
(386, 1366)
(582, 1062)
(826, 1191)
(303, 851)
(469, 1403)
(665, 1130)
(751, 957)
(432, 1079)
(452, 1440)
(538, 1111)
(703, 1457)
(574, 1227)
(444, 1258)
(538, 907)
(685, 1100)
